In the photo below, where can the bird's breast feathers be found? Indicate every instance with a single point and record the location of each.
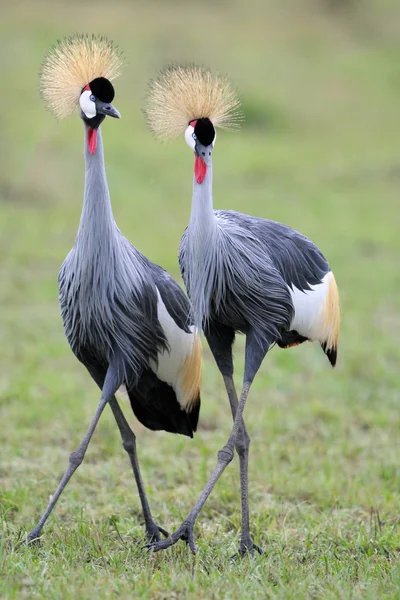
(181, 365)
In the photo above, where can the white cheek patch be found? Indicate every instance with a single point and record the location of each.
(88, 106)
(189, 137)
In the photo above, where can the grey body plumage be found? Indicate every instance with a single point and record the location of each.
(107, 293)
(239, 270)
(244, 271)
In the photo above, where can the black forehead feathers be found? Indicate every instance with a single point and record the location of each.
(204, 131)
(102, 89)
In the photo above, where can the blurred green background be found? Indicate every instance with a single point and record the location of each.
(319, 150)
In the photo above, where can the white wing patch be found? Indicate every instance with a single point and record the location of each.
(310, 310)
(171, 366)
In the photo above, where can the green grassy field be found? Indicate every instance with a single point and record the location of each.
(319, 151)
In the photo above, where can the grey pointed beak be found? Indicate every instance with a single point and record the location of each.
(203, 152)
(102, 108)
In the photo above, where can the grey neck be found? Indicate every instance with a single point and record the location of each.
(202, 250)
(97, 220)
(202, 218)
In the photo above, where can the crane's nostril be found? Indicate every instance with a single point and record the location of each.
(203, 153)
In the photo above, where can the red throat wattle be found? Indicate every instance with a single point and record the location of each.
(200, 169)
(92, 140)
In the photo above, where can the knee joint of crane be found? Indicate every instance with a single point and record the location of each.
(225, 455)
(242, 443)
(129, 445)
(76, 458)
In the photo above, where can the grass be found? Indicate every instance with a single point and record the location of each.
(319, 151)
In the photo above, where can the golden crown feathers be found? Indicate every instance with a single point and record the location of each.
(182, 94)
(71, 64)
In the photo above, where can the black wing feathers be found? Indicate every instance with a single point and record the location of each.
(155, 405)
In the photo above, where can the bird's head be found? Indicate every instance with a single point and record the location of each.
(95, 103)
(192, 100)
(76, 73)
(200, 136)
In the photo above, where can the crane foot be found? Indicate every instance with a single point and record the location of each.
(247, 548)
(153, 532)
(185, 533)
(31, 539)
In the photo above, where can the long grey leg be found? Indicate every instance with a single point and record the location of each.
(112, 382)
(129, 444)
(242, 448)
(75, 460)
(225, 456)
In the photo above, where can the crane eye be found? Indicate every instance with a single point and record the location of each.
(92, 98)
(194, 136)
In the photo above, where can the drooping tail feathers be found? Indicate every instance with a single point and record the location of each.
(331, 317)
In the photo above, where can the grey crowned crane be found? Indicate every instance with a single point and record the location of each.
(125, 318)
(243, 274)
